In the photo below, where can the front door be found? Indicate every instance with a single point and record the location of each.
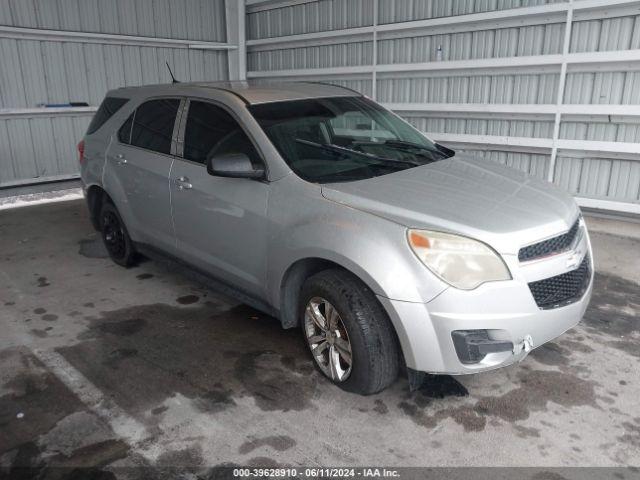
(220, 223)
(137, 172)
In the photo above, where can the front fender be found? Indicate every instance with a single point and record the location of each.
(372, 248)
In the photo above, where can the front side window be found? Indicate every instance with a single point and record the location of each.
(211, 131)
(153, 124)
(343, 138)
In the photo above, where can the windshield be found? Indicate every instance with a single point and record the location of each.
(344, 138)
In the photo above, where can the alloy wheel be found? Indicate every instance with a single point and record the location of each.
(328, 340)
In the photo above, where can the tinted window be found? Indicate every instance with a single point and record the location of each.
(124, 134)
(210, 131)
(153, 124)
(108, 107)
(344, 138)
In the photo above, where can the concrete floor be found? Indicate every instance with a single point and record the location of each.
(110, 367)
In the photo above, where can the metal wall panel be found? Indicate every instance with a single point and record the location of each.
(600, 178)
(337, 55)
(38, 72)
(514, 89)
(406, 10)
(41, 147)
(601, 131)
(613, 176)
(181, 19)
(496, 43)
(531, 163)
(603, 88)
(505, 128)
(621, 33)
(317, 16)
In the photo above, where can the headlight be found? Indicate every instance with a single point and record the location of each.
(460, 261)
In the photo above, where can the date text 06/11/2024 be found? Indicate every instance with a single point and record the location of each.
(318, 472)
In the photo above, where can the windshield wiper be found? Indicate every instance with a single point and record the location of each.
(337, 148)
(403, 143)
(439, 149)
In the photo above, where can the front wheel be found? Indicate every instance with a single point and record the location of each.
(348, 333)
(115, 236)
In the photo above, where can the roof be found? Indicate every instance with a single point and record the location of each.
(260, 93)
(266, 92)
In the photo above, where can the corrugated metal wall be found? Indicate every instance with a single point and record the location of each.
(41, 145)
(183, 19)
(609, 177)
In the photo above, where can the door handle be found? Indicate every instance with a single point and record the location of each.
(183, 183)
(120, 160)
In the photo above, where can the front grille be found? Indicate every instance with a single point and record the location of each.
(562, 289)
(552, 246)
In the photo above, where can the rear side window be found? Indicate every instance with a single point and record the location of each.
(211, 130)
(153, 124)
(108, 107)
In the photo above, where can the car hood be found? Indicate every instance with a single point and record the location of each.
(478, 198)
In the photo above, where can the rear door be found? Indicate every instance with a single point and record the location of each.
(137, 171)
(220, 223)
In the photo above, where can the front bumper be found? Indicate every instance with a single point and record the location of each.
(506, 311)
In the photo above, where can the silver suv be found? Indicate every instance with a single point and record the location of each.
(318, 206)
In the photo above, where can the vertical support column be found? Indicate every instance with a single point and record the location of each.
(561, 87)
(374, 63)
(236, 35)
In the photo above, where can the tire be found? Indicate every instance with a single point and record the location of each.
(361, 322)
(115, 236)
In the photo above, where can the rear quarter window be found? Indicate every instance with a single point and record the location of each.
(108, 107)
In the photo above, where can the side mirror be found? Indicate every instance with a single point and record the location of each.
(233, 165)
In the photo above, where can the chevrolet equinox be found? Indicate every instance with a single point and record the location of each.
(318, 206)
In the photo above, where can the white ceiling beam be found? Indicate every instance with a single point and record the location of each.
(498, 140)
(261, 5)
(629, 150)
(532, 109)
(21, 33)
(599, 147)
(289, 40)
(602, 204)
(598, 60)
(45, 112)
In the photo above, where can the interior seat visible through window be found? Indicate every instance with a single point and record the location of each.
(211, 131)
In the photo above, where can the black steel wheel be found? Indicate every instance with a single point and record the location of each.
(115, 236)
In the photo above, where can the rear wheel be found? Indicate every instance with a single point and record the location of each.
(348, 333)
(115, 236)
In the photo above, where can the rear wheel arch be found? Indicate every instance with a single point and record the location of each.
(96, 196)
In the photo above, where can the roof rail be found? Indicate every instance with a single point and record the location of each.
(228, 90)
(333, 85)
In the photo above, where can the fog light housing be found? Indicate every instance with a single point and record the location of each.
(473, 345)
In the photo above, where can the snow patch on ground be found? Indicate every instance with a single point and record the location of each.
(40, 198)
